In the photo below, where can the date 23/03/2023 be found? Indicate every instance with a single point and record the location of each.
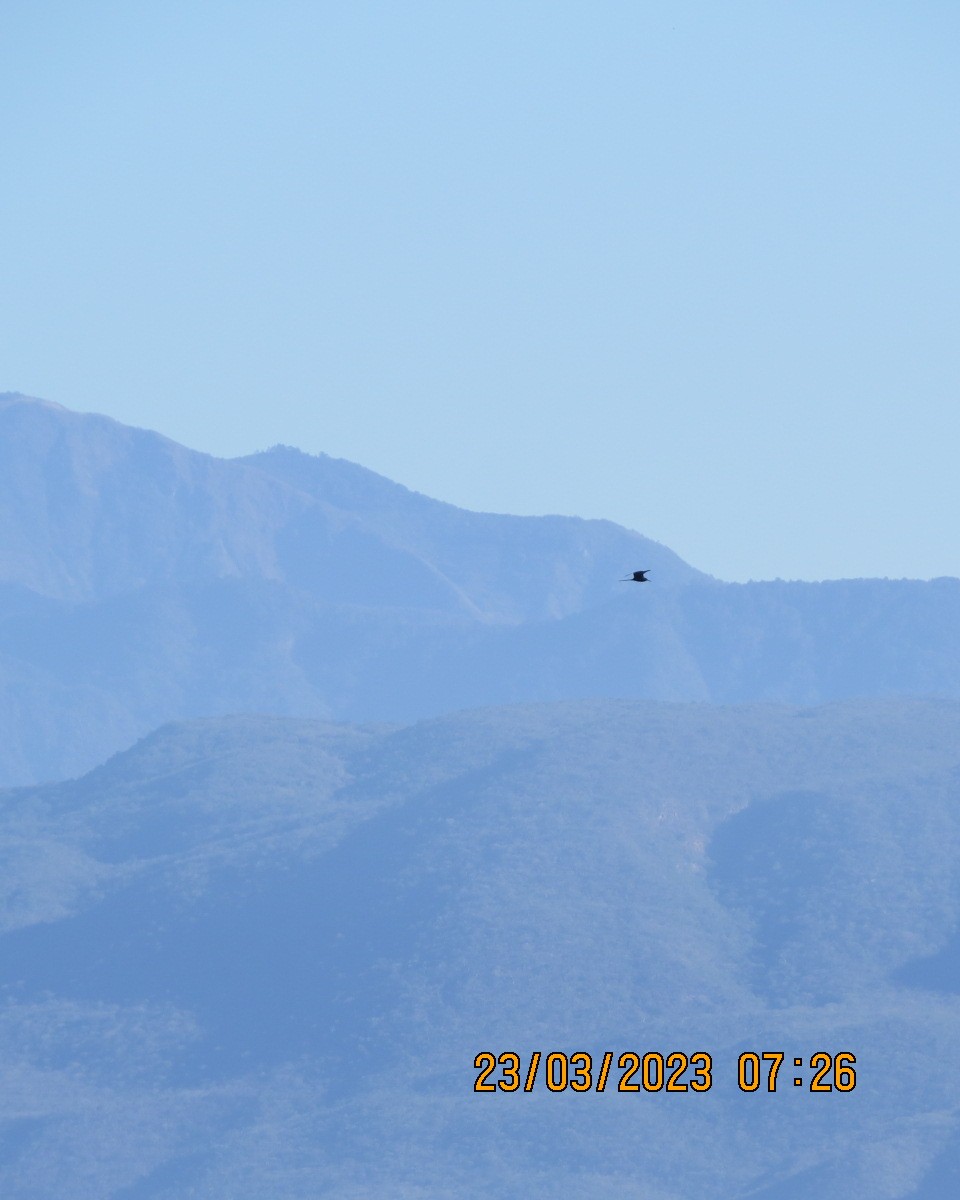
(656, 1072)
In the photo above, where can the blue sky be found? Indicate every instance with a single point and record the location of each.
(690, 266)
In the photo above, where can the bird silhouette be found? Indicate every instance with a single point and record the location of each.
(637, 577)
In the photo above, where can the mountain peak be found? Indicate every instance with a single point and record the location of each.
(8, 399)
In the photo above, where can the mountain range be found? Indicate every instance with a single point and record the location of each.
(142, 582)
(257, 957)
(325, 788)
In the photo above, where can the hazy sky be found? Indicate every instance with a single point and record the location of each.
(690, 266)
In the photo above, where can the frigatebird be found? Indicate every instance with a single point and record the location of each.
(637, 577)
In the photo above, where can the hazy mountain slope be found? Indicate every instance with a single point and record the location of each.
(806, 642)
(520, 568)
(257, 957)
(727, 643)
(90, 508)
(76, 679)
(142, 582)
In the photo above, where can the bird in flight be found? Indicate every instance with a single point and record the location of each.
(637, 577)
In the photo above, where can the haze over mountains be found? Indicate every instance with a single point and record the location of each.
(255, 955)
(142, 582)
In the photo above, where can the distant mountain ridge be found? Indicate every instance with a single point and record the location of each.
(142, 582)
(92, 508)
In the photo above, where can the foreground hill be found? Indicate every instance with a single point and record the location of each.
(142, 582)
(256, 957)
